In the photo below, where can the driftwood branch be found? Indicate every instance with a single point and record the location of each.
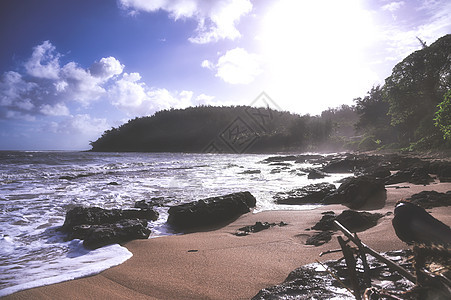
(392, 265)
(351, 263)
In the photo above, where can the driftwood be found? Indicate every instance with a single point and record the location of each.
(364, 249)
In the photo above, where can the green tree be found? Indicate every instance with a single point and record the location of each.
(416, 86)
(443, 116)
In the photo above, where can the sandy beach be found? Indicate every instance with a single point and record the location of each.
(220, 265)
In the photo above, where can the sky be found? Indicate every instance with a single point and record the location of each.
(71, 69)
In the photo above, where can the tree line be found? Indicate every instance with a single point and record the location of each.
(411, 110)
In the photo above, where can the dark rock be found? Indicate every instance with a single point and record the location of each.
(113, 183)
(442, 169)
(312, 281)
(98, 216)
(99, 227)
(123, 231)
(149, 204)
(257, 227)
(326, 222)
(357, 221)
(274, 159)
(356, 191)
(320, 238)
(310, 194)
(429, 199)
(353, 220)
(316, 174)
(213, 211)
(251, 172)
(414, 175)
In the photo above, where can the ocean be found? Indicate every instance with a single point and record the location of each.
(37, 188)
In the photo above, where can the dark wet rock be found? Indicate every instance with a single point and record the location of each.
(97, 216)
(356, 191)
(353, 163)
(213, 211)
(442, 169)
(429, 199)
(416, 175)
(257, 227)
(275, 159)
(379, 172)
(310, 194)
(113, 183)
(355, 221)
(316, 174)
(326, 222)
(97, 236)
(149, 204)
(99, 227)
(319, 238)
(281, 164)
(312, 281)
(251, 172)
(73, 177)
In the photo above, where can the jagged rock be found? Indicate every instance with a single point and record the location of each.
(415, 175)
(316, 174)
(97, 216)
(149, 204)
(320, 238)
(312, 281)
(429, 199)
(251, 172)
(442, 169)
(310, 194)
(355, 221)
(356, 191)
(211, 211)
(97, 236)
(257, 227)
(99, 227)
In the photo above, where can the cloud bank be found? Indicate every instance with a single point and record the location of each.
(216, 20)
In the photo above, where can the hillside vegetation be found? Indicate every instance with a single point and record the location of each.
(411, 111)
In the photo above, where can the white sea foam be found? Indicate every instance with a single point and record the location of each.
(37, 188)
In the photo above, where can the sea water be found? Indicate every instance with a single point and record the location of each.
(37, 188)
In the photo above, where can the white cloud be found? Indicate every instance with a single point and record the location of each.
(106, 68)
(236, 66)
(393, 6)
(204, 99)
(59, 109)
(207, 64)
(135, 98)
(47, 86)
(216, 20)
(43, 62)
(81, 124)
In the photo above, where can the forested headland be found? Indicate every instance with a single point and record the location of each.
(410, 111)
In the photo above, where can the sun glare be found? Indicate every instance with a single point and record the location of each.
(314, 52)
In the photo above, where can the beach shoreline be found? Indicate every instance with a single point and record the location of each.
(220, 265)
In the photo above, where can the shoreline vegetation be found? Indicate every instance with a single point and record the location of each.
(250, 254)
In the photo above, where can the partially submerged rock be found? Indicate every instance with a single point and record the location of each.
(310, 194)
(100, 227)
(211, 211)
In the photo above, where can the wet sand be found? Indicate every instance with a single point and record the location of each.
(219, 265)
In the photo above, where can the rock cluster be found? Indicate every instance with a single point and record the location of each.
(98, 227)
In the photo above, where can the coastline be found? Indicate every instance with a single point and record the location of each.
(219, 265)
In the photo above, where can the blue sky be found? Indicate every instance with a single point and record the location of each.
(71, 69)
